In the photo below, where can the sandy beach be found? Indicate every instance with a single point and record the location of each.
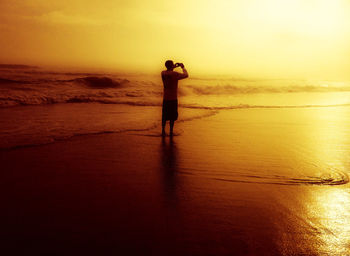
(241, 182)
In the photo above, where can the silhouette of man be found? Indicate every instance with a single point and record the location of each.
(170, 80)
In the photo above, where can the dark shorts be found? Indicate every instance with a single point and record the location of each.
(169, 110)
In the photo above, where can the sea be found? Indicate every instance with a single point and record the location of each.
(40, 105)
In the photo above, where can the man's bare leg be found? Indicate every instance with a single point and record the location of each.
(163, 127)
(171, 127)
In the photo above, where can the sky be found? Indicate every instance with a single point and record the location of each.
(262, 38)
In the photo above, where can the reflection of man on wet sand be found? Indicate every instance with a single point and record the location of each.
(170, 78)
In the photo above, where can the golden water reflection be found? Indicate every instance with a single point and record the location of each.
(329, 215)
(329, 209)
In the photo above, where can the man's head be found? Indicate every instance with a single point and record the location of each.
(169, 64)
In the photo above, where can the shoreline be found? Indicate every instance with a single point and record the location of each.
(187, 114)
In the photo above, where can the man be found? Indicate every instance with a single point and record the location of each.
(170, 78)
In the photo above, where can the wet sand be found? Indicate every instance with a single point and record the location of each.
(242, 182)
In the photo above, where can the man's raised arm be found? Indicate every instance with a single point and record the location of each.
(184, 72)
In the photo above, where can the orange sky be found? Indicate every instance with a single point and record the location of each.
(272, 38)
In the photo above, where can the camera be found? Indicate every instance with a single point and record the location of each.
(178, 64)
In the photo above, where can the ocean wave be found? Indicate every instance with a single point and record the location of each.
(100, 82)
(125, 98)
(57, 73)
(23, 100)
(10, 81)
(51, 140)
(23, 90)
(247, 106)
(90, 81)
(330, 179)
(16, 66)
(56, 138)
(234, 89)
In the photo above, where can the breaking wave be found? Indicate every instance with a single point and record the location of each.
(90, 81)
(39, 87)
(100, 82)
(10, 81)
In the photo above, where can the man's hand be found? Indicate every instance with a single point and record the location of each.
(184, 72)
